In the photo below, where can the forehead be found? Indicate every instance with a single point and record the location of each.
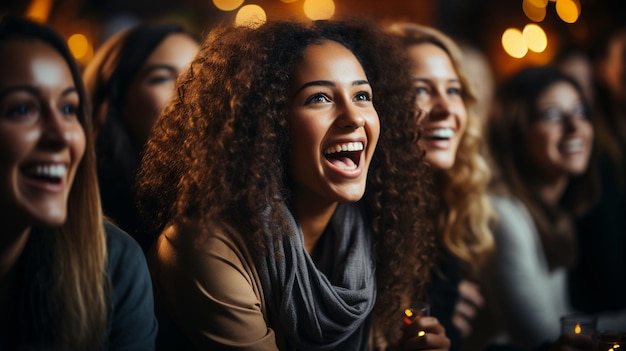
(176, 47)
(559, 91)
(329, 55)
(22, 61)
(430, 58)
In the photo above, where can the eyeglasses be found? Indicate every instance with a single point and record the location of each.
(556, 115)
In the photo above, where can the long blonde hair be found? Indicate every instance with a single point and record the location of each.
(73, 315)
(466, 212)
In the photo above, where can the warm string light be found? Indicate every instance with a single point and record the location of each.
(254, 15)
(533, 37)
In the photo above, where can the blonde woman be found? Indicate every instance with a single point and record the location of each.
(67, 280)
(452, 140)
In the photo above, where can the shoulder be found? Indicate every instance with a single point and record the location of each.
(196, 241)
(121, 248)
(510, 209)
(132, 323)
(206, 253)
(207, 284)
(514, 222)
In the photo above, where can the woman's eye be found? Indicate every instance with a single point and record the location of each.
(160, 79)
(20, 110)
(69, 110)
(421, 90)
(317, 98)
(455, 91)
(551, 115)
(363, 96)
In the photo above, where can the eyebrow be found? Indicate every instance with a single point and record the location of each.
(417, 79)
(152, 68)
(34, 91)
(327, 83)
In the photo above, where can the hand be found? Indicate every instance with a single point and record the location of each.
(425, 333)
(572, 342)
(469, 302)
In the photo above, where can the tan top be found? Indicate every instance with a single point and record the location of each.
(205, 281)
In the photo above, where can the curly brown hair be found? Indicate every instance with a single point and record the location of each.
(219, 150)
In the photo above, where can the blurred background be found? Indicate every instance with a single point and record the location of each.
(510, 33)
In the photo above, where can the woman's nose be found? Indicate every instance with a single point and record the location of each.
(351, 116)
(56, 131)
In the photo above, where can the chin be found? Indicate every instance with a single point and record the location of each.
(54, 218)
(440, 164)
(351, 195)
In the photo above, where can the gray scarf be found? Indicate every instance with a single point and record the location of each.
(322, 303)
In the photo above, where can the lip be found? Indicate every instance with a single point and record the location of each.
(573, 146)
(338, 172)
(46, 176)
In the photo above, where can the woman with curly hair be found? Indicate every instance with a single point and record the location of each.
(452, 141)
(285, 169)
(68, 280)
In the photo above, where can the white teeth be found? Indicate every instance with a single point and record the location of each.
(51, 171)
(444, 133)
(355, 146)
(573, 145)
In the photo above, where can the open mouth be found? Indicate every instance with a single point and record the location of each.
(345, 156)
(573, 145)
(52, 174)
(439, 134)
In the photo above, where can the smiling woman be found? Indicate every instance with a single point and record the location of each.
(130, 79)
(287, 211)
(61, 286)
(540, 139)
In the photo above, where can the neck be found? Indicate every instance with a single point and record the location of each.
(551, 191)
(313, 217)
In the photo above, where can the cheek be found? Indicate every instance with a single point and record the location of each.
(462, 119)
(76, 139)
(15, 145)
(588, 131)
(538, 144)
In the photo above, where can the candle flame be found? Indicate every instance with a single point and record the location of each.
(408, 316)
(577, 329)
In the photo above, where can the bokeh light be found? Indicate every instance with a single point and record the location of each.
(251, 16)
(538, 3)
(319, 9)
(79, 45)
(535, 38)
(288, 1)
(39, 10)
(532, 11)
(227, 5)
(568, 10)
(514, 43)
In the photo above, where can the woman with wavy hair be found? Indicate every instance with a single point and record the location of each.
(68, 280)
(285, 169)
(452, 140)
